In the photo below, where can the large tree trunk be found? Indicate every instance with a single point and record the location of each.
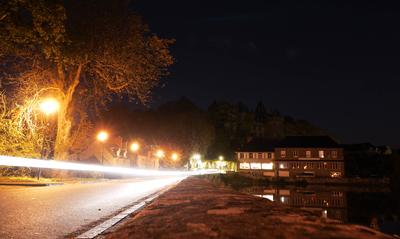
(65, 120)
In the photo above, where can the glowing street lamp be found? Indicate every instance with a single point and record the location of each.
(196, 156)
(197, 160)
(160, 153)
(135, 147)
(221, 158)
(102, 136)
(49, 106)
(174, 156)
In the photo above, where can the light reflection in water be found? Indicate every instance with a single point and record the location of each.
(359, 205)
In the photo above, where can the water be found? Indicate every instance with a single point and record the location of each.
(376, 207)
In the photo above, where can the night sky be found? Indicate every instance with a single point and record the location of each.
(333, 64)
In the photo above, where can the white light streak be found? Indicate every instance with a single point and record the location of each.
(54, 164)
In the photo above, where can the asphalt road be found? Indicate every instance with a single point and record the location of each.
(55, 211)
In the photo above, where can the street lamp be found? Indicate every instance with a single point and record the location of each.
(135, 146)
(174, 156)
(48, 106)
(160, 153)
(197, 158)
(102, 136)
(221, 158)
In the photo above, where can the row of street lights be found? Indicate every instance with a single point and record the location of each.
(50, 106)
(103, 136)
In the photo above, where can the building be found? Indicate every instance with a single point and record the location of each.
(294, 156)
(257, 158)
(309, 156)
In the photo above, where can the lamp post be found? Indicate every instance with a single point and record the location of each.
(135, 146)
(48, 106)
(102, 136)
(159, 155)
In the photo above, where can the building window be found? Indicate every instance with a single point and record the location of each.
(244, 166)
(308, 154)
(336, 174)
(250, 155)
(241, 155)
(321, 154)
(255, 165)
(267, 166)
(283, 154)
(283, 165)
(260, 155)
(295, 154)
(334, 154)
(270, 155)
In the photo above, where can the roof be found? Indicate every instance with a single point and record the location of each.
(308, 142)
(259, 145)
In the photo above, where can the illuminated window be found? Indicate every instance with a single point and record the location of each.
(250, 155)
(255, 165)
(308, 154)
(260, 155)
(295, 154)
(267, 166)
(241, 155)
(283, 154)
(269, 155)
(269, 197)
(321, 154)
(284, 199)
(336, 174)
(334, 154)
(244, 166)
(283, 165)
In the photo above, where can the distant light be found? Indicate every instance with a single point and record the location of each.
(268, 196)
(160, 153)
(196, 156)
(49, 106)
(174, 156)
(102, 136)
(135, 146)
(221, 158)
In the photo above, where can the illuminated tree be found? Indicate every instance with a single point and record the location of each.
(84, 53)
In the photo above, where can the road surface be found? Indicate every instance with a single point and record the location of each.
(55, 211)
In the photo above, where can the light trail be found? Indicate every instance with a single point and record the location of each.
(54, 164)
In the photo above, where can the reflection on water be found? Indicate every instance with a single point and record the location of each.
(374, 207)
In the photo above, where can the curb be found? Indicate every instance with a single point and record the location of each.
(31, 184)
(102, 227)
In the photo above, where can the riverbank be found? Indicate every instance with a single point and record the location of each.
(197, 208)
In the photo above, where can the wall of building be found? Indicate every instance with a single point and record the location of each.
(309, 162)
(293, 162)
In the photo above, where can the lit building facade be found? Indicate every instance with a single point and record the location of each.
(294, 156)
(257, 158)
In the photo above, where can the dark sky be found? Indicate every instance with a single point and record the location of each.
(333, 63)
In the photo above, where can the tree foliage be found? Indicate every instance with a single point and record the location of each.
(84, 53)
(220, 130)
